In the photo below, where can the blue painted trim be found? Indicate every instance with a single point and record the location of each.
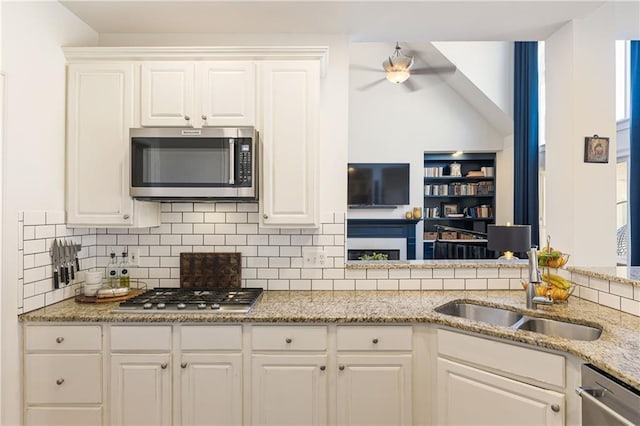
(385, 228)
(634, 156)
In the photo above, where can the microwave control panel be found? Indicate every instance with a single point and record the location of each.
(244, 164)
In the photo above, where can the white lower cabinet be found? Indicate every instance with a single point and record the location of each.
(289, 389)
(374, 389)
(63, 375)
(470, 396)
(140, 392)
(211, 389)
(485, 382)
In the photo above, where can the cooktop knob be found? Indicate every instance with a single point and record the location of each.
(181, 305)
(147, 305)
(202, 305)
(215, 306)
(161, 305)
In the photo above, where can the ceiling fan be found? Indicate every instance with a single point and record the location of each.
(399, 67)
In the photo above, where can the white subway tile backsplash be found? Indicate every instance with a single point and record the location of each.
(160, 251)
(464, 273)
(630, 306)
(165, 207)
(164, 228)
(247, 251)
(176, 250)
(301, 285)
(169, 217)
(323, 240)
(279, 240)
(168, 239)
(431, 284)
(211, 217)
(28, 261)
(28, 232)
(599, 284)
(267, 273)
(34, 246)
(290, 274)
(149, 240)
(510, 273)
(487, 272)
(182, 228)
(409, 285)
(181, 207)
(589, 294)
(333, 274)
(359, 285)
(226, 228)
(332, 228)
(236, 217)
(248, 229)
(127, 240)
(258, 262)
(290, 231)
(297, 262)
(421, 273)
(475, 284)
(301, 240)
(192, 240)
(610, 300)
(236, 240)
(226, 207)
(388, 284)
(34, 218)
(277, 285)
(443, 273)
(621, 289)
(498, 283)
(399, 273)
(204, 207)
(159, 273)
(279, 262)
(45, 231)
(214, 240)
(316, 273)
(268, 251)
(377, 274)
(453, 284)
(170, 262)
(247, 207)
(291, 251)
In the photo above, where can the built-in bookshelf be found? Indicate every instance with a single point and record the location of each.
(459, 192)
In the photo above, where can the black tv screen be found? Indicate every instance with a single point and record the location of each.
(378, 184)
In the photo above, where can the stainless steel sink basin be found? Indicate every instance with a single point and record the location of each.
(506, 318)
(488, 314)
(559, 328)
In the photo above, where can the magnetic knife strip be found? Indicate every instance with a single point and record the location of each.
(64, 257)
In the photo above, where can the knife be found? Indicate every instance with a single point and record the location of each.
(63, 263)
(68, 255)
(75, 249)
(56, 261)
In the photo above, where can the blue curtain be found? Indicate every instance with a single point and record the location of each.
(525, 137)
(634, 156)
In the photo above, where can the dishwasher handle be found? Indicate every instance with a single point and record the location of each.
(591, 395)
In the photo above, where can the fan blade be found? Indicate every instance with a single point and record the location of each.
(372, 84)
(434, 70)
(410, 86)
(365, 68)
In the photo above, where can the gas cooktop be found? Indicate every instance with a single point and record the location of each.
(201, 300)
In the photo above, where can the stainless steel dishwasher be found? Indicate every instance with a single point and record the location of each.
(606, 400)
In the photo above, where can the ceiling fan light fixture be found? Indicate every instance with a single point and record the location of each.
(399, 76)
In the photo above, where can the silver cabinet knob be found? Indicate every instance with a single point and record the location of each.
(204, 117)
(59, 339)
(126, 216)
(184, 365)
(59, 381)
(323, 367)
(186, 117)
(375, 341)
(555, 408)
(265, 216)
(163, 365)
(288, 340)
(341, 367)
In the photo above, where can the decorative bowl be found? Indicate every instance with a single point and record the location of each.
(554, 293)
(552, 259)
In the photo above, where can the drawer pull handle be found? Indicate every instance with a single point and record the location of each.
(204, 117)
(163, 365)
(341, 367)
(59, 382)
(187, 118)
(375, 341)
(59, 339)
(323, 367)
(184, 365)
(288, 340)
(555, 408)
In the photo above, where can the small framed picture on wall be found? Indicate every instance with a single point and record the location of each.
(596, 149)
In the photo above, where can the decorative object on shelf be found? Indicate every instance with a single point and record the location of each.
(417, 213)
(509, 239)
(449, 209)
(408, 215)
(596, 149)
(374, 256)
(487, 171)
(455, 169)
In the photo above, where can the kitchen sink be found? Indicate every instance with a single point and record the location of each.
(507, 318)
(488, 314)
(559, 328)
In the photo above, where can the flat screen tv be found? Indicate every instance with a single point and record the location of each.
(377, 184)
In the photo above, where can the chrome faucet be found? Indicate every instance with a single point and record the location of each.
(534, 278)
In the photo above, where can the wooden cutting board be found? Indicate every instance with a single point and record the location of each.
(210, 270)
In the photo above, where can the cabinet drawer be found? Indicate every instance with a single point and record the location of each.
(524, 362)
(63, 416)
(367, 338)
(148, 338)
(223, 337)
(63, 378)
(295, 338)
(63, 338)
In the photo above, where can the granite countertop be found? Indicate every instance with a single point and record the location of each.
(622, 274)
(616, 351)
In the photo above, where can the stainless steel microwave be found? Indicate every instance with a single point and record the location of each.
(186, 163)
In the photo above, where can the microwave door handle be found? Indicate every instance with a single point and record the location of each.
(232, 161)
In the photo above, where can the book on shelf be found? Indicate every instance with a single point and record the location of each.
(479, 212)
(475, 173)
(454, 215)
(433, 171)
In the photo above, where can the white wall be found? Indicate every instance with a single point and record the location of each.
(33, 161)
(489, 64)
(580, 90)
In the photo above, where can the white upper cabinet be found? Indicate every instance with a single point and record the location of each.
(99, 115)
(290, 93)
(167, 93)
(205, 93)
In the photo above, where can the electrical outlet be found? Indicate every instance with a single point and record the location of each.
(134, 257)
(314, 257)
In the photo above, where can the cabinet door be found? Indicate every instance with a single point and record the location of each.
(290, 101)
(140, 392)
(211, 389)
(227, 95)
(374, 389)
(289, 390)
(468, 396)
(167, 93)
(99, 115)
